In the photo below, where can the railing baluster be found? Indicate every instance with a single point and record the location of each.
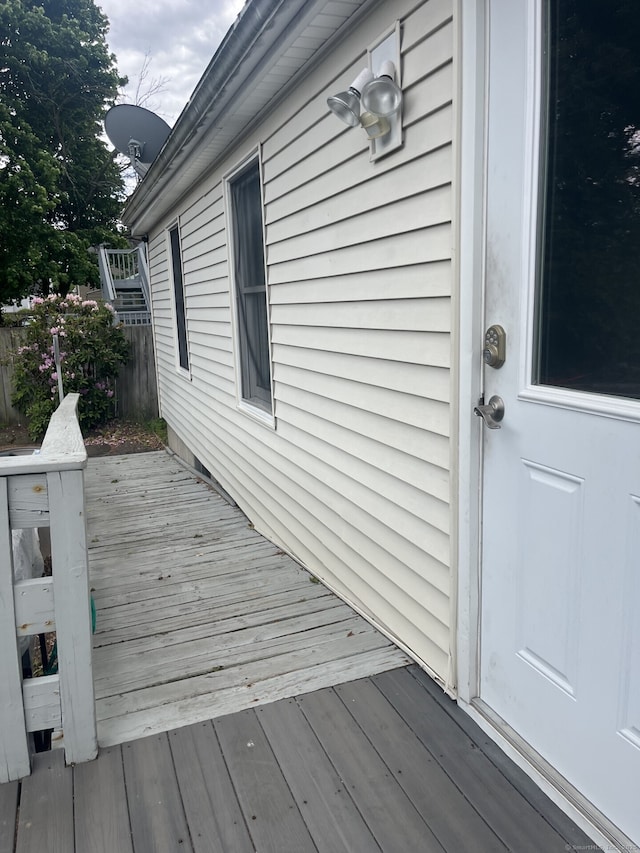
(14, 749)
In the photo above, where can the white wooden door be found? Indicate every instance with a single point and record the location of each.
(560, 583)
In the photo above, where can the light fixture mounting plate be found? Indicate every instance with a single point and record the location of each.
(387, 46)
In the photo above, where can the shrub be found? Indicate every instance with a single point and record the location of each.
(91, 348)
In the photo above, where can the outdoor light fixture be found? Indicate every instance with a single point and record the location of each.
(381, 96)
(346, 105)
(381, 99)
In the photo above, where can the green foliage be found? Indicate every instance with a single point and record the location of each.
(158, 426)
(60, 186)
(91, 352)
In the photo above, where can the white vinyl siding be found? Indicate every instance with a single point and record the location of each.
(355, 479)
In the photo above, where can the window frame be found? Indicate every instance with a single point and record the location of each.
(179, 311)
(256, 408)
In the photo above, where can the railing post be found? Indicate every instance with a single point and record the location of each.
(14, 747)
(73, 614)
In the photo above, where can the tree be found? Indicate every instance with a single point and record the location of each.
(60, 186)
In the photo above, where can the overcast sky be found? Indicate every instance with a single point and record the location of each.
(179, 36)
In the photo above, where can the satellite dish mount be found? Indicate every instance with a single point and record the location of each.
(138, 133)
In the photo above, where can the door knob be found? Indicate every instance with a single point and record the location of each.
(492, 412)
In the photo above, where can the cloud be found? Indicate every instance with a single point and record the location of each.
(178, 36)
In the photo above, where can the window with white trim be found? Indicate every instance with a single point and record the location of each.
(178, 298)
(249, 279)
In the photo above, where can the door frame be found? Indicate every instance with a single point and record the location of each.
(471, 119)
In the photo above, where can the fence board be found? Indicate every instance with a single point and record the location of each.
(136, 390)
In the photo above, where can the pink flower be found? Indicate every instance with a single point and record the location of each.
(109, 393)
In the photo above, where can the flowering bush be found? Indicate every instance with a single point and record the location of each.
(91, 350)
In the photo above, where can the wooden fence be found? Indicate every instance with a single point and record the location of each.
(40, 491)
(136, 391)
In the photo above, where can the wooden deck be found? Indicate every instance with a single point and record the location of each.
(276, 718)
(197, 614)
(386, 763)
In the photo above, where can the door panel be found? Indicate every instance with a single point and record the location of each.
(560, 595)
(548, 594)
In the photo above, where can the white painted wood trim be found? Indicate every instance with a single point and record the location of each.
(14, 750)
(42, 703)
(63, 436)
(62, 448)
(470, 200)
(34, 606)
(73, 614)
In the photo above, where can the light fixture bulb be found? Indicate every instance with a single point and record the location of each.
(346, 105)
(382, 96)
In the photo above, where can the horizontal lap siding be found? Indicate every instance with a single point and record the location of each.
(355, 478)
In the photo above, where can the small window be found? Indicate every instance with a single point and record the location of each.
(250, 286)
(178, 293)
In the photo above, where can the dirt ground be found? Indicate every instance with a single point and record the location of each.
(113, 438)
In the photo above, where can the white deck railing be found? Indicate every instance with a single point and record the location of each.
(47, 490)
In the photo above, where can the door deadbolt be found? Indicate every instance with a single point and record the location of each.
(495, 345)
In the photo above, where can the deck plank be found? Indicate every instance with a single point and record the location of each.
(45, 824)
(520, 826)
(100, 808)
(8, 815)
(274, 820)
(158, 820)
(334, 822)
(210, 617)
(197, 614)
(450, 816)
(390, 815)
(191, 700)
(318, 772)
(214, 816)
(202, 656)
(553, 815)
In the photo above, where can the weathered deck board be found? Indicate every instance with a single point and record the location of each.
(197, 614)
(100, 807)
(46, 807)
(214, 815)
(456, 824)
(389, 813)
(324, 802)
(157, 816)
(276, 824)
(485, 787)
(8, 812)
(381, 765)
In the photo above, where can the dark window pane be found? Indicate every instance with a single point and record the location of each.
(178, 289)
(251, 299)
(589, 307)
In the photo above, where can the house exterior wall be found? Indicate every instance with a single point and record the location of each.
(354, 480)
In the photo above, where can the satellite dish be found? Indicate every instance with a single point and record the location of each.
(137, 132)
